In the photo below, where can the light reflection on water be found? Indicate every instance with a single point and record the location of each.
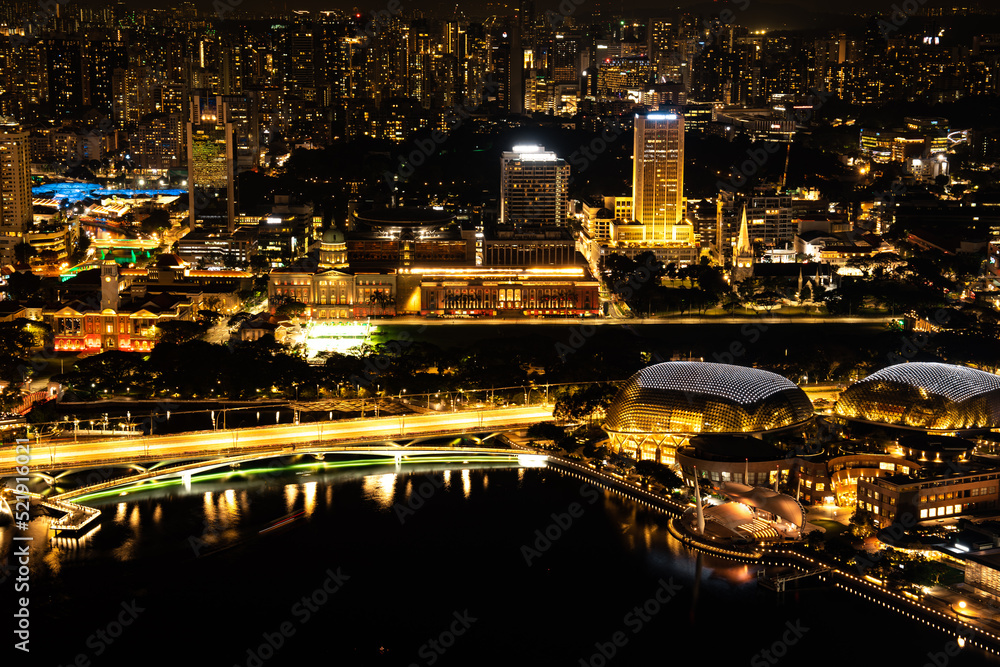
(645, 531)
(224, 515)
(309, 497)
(381, 489)
(291, 493)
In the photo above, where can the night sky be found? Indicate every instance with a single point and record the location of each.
(753, 14)
(631, 7)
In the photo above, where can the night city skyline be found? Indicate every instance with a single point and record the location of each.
(559, 333)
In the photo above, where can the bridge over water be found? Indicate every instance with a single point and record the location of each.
(390, 454)
(54, 457)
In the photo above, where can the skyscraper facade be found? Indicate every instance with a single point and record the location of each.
(211, 163)
(533, 187)
(15, 188)
(658, 177)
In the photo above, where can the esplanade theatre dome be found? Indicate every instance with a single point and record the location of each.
(925, 396)
(658, 408)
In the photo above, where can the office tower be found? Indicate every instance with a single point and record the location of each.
(335, 47)
(15, 188)
(625, 77)
(386, 62)
(658, 177)
(211, 164)
(533, 185)
(566, 59)
(422, 49)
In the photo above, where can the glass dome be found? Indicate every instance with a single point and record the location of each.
(700, 397)
(924, 395)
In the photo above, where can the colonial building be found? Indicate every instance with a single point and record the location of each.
(86, 326)
(507, 292)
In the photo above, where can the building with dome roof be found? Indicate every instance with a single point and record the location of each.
(333, 250)
(660, 407)
(924, 396)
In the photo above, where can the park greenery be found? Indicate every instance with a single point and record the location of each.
(888, 283)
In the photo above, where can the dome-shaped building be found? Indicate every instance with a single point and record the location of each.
(924, 396)
(333, 250)
(660, 407)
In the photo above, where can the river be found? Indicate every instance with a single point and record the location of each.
(430, 564)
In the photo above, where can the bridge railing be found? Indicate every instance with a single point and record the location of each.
(237, 457)
(220, 450)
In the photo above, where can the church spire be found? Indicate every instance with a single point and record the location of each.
(743, 248)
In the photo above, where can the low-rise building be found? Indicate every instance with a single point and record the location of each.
(508, 292)
(947, 493)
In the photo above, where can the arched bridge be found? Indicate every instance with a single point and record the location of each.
(397, 454)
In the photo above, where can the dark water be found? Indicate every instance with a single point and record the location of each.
(453, 572)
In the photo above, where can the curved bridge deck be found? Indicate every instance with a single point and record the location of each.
(266, 439)
(397, 454)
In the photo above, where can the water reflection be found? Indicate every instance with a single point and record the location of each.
(309, 493)
(291, 493)
(381, 489)
(208, 507)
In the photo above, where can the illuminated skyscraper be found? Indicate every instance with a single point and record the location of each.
(15, 188)
(211, 164)
(533, 187)
(658, 178)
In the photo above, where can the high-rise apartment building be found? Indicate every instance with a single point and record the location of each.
(533, 187)
(15, 188)
(65, 75)
(156, 142)
(658, 177)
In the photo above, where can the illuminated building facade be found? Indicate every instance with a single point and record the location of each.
(15, 188)
(330, 294)
(946, 494)
(157, 144)
(660, 407)
(618, 76)
(533, 187)
(83, 326)
(658, 182)
(211, 163)
(924, 396)
(508, 292)
(770, 218)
